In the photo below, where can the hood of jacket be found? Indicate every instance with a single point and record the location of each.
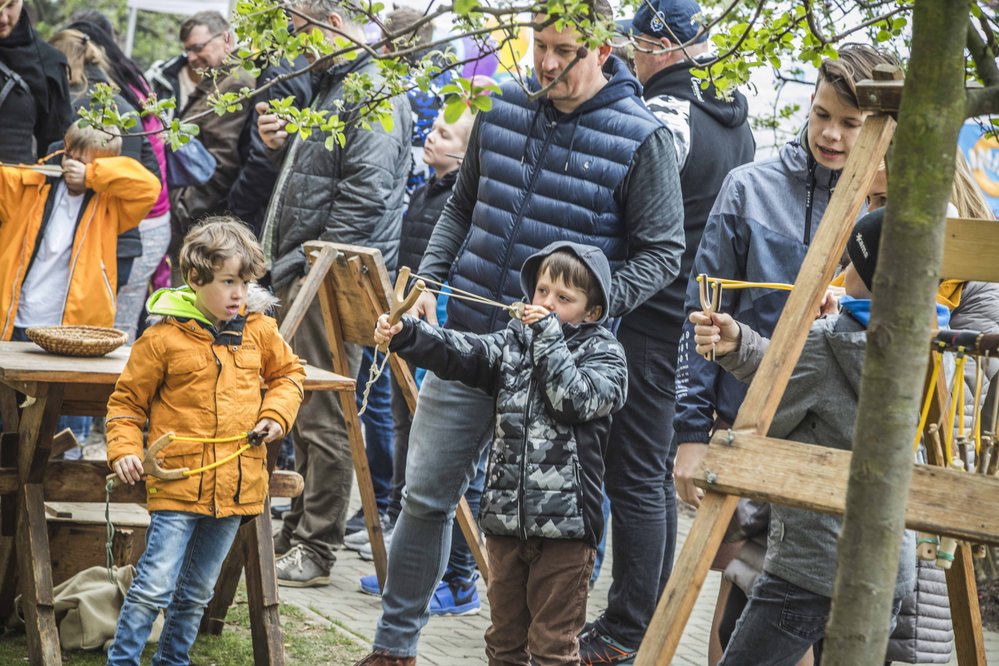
(797, 159)
(676, 80)
(592, 257)
(178, 303)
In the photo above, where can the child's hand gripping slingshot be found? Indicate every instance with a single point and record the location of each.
(711, 304)
(402, 303)
(151, 467)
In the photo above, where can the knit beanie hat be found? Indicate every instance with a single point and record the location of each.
(863, 245)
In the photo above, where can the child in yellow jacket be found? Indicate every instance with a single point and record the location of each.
(196, 372)
(58, 236)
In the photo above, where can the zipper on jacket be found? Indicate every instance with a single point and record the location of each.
(532, 181)
(523, 460)
(22, 268)
(79, 250)
(107, 285)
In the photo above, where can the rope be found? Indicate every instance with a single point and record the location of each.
(375, 371)
(976, 415)
(958, 389)
(108, 555)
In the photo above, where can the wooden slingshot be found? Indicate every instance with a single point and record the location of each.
(401, 301)
(709, 305)
(151, 464)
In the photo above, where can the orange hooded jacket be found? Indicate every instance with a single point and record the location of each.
(120, 194)
(186, 379)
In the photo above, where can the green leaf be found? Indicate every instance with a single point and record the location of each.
(453, 109)
(464, 7)
(387, 122)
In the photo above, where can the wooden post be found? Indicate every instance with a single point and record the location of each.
(663, 634)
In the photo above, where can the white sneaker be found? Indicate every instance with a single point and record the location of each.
(359, 540)
(365, 551)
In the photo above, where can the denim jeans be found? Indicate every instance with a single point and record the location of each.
(377, 420)
(452, 426)
(639, 484)
(780, 623)
(183, 558)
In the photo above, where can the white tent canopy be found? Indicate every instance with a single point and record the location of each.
(182, 7)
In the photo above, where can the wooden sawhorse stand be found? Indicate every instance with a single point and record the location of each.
(354, 289)
(745, 462)
(56, 385)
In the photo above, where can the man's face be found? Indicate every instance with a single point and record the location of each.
(833, 127)
(647, 64)
(553, 51)
(206, 50)
(8, 17)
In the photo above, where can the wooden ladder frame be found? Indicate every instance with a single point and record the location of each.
(745, 462)
(354, 289)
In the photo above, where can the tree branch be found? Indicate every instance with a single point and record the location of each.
(983, 56)
(982, 101)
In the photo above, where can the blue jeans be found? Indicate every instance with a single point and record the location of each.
(377, 420)
(183, 558)
(452, 426)
(780, 623)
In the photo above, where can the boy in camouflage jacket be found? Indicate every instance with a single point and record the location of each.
(557, 376)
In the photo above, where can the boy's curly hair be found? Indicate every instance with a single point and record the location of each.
(856, 62)
(215, 240)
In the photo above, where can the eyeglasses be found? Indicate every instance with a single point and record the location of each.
(195, 49)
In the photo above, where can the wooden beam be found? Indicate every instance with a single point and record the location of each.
(941, 501)
(966, 614)
(320, 261)
(970, 250)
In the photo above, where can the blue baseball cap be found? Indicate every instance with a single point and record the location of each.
(672, 19)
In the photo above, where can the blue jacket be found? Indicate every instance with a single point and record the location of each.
(759, 231)
(533, 175)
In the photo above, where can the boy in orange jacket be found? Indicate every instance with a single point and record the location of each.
(58, 236)
(196, 372)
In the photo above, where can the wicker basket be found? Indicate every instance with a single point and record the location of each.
(77, 340)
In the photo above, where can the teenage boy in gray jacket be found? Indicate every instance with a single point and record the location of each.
(557, 375)
(789, 605)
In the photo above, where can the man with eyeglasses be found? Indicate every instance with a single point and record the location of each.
(207, 41)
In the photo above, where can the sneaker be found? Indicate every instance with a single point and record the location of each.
(369, 585)
(364, 552)
(299, 568)
(359, 540)
(379, 658)
(597, 647)
(456, 596)
(278, 510)
(282, 544)
(356, 523)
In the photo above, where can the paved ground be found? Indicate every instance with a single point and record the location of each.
(457, 641)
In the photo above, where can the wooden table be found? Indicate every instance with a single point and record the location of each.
(60, 385)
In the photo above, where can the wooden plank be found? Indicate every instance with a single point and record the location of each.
(262, 592)
(470, 529)
(970, 250)
(814, 276)
(320, 265)
(880, 96)
(26, 362)
(38, 424)
(63, 442)
(83, 481)
(941, 501)
(35, 570)
(348, 405)
(76, 547)
(9, 412)
(8, 502)
(685, 582)
(966, 615)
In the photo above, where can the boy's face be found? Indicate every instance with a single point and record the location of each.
(833, 127)
(877, 196)
(221, 299)
(444, 140)
(853, 284)
(569, 303)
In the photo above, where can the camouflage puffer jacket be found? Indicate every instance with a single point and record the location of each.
(555, 388)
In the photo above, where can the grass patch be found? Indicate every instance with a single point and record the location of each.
(306, 642)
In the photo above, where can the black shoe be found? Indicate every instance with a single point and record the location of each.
(277, 512)
(597, 647)
(356, 523)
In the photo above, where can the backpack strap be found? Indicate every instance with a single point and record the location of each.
(12, 79)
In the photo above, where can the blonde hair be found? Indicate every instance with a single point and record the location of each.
(214, 241)
(79, 52)
(104, 142)
(966, 196)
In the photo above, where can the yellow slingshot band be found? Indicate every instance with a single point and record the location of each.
(213, 440)
(740, 284)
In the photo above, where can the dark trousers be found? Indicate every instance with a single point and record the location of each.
(377, 422)
(537, 599)
(639, 483)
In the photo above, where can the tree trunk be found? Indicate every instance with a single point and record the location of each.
(921, 175)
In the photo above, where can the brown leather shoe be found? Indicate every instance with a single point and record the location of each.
(384, 659)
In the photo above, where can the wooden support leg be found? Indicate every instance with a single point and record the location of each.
(36, 578)
(348, 405)
(677, 601)
(964, 610)
(470, 528)
(213, 620)
(262, 592)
